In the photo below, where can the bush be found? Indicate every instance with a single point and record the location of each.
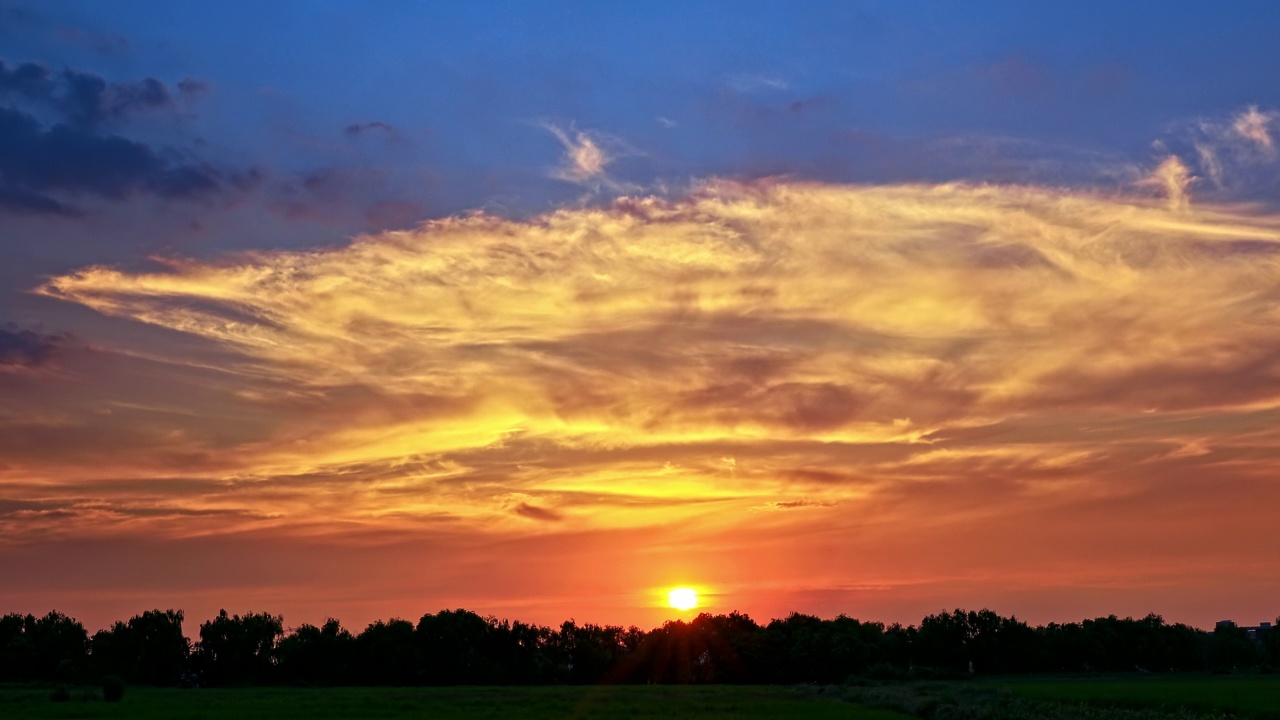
(62, 693)
(112, 688)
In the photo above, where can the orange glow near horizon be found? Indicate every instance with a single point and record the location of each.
(876, 400)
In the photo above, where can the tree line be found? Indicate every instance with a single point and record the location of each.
(462, 647)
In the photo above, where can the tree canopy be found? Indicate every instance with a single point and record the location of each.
(461, 647)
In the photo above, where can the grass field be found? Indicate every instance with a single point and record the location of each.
(1247, 696)
(1076, 698)
(534, 703)
(1121, 698)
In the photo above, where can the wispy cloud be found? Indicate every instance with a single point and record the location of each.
(1255, 127)
(902, 367)
(757, 82)
(1233, 153)
(587, 156)
(1173, 179)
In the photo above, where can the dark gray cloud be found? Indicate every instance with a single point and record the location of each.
(27, 348)
(59, 142)
(357, 129)
(39, 166)
(24, 202)
(81, 98)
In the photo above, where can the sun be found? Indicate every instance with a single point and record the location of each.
(683, 598)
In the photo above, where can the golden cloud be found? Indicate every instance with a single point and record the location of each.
(593, 366)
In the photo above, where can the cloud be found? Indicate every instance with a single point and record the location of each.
(924, 380)
(756, 82)
(587, 155)
(40, 165)
(1236, 154)
(1255, 127)
(45, 167)
(82, 99)
(794, 504)
(357, 129)
(533, 512)
(27, 348)
(341, 195)
(747, 311)
(18, 201)
(1172, 178)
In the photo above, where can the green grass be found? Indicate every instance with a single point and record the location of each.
(1255, 696)
(534, 703)
(1117, 698)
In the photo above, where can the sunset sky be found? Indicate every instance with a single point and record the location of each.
(544, 309)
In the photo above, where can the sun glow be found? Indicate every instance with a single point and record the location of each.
(683, 598)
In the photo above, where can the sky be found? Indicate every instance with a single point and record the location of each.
(368, 310)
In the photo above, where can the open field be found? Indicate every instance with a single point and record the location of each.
(1117, 698)
(534, 703)
(1248, 696)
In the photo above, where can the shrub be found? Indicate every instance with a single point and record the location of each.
(62, 693)
(112, 688)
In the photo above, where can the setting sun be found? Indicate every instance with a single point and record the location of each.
(683, 598)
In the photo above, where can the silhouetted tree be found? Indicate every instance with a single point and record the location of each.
(458, 646)
(732, 645)
(943, 641)
(148, 649)
(454, 648)
(588, 653)
(388, 654)
(239, 649)
(668, 654)
(804, 648)
(15, 648)
(317, 655)
(52, 647)
(523, 653)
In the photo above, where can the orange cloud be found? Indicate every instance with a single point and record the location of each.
(949, 367)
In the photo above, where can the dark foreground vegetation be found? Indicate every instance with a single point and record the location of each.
(463, 648)
(454, 703)
(1131, 697)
